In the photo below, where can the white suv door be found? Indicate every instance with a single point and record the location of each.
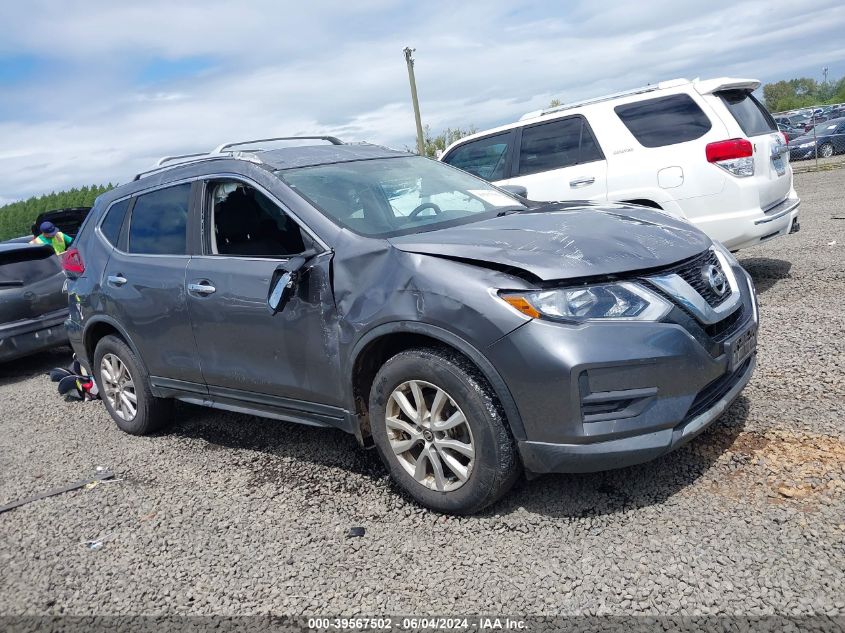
(559, 160)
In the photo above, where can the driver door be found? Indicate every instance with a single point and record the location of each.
(247, 351)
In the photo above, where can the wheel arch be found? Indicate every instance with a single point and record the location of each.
(389, 339)
(99, 327)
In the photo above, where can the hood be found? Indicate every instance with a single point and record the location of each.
(567, 241)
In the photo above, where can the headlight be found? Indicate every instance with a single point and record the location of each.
(626, 301)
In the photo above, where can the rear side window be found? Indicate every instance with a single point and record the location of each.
(159, 222)
(557, 144)
(112, 223)
(752, 117)
(664, 121)
(485, 158)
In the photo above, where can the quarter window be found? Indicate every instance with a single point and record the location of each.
(664, 121)
(486, 158)
(113, 221)
(557, 144)
(159, 222)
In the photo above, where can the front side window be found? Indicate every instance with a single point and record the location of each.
(394, 196)
(245, 222)
(557, 144)
(664, 121)
(486, 157)
(159, 222)
(752, 117)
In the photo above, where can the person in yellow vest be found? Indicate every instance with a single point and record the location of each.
(52, 236)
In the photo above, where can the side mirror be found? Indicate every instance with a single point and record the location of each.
(284, 281)
(281, 291)
(517, 190)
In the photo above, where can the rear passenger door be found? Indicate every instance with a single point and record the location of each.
(559, 160)
(839, 139)
(143, 288)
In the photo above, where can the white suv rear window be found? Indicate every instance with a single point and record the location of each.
(752, 117)
(664, 121)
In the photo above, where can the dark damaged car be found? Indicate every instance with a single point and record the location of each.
(467, 335)
(33, 306)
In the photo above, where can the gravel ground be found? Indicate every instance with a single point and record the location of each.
(809, 164)
(229, 514)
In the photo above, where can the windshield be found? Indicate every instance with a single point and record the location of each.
(393, 196)
(822, 129)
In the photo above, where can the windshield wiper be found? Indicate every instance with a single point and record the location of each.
(509, 210)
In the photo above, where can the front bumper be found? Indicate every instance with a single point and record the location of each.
(22, 338)
(606, 395)
(543, 457)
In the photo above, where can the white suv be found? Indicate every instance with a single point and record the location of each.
(703, 150)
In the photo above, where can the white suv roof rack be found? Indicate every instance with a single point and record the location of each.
(671, 83)
(225, 151)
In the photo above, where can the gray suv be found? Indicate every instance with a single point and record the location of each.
(466, 333)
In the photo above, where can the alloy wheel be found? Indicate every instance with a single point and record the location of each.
(826, 151)
(119, 387)
(430, 435)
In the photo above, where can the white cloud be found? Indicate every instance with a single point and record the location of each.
(338, 68)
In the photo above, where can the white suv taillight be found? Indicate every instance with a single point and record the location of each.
(735, 156)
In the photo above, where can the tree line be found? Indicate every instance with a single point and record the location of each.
(16, 218)
(802, 92)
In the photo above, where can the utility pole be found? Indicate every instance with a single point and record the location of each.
(824, 72)
(410, 61)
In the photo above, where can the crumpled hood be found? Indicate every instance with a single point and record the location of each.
(567, 240)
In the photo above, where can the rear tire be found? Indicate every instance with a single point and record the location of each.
(453, 454)
(125, 389)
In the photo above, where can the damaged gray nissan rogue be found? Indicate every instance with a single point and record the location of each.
(466, 333)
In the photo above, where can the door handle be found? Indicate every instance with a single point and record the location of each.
(581, 182)
(117, 280)
(202, 289)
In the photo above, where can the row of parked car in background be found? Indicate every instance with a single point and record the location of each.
(555, 295)
(814, 132)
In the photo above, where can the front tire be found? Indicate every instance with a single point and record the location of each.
(826, 150)
(441, 432)
(125, 389)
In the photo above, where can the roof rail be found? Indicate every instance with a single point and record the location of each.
(331, 139)
(167, 159)
(224, 151)
(672, 83)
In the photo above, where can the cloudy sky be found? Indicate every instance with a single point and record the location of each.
(94, 90)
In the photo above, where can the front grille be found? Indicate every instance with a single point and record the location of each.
(716, 390)
(728, 326)
(691, 271)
